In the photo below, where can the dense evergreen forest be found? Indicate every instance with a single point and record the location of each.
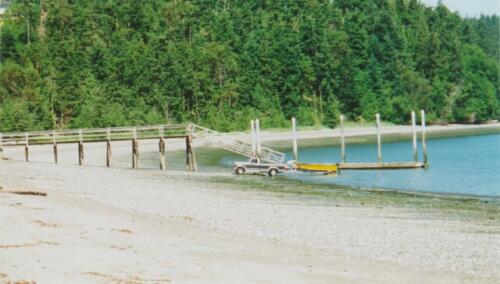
(219, 63)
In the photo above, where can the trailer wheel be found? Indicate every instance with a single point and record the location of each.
(272, 172)
(239, 170)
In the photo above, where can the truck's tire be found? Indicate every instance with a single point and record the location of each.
(239, 170)
(272, 172)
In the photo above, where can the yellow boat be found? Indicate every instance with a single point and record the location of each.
(328, 168)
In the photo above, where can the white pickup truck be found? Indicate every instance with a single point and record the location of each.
(255, 166)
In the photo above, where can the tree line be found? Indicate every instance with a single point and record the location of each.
(220, 63)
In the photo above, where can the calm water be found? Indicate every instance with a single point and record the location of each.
(459, 165)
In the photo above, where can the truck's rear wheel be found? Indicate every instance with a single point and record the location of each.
(272, 172)
(239, 170)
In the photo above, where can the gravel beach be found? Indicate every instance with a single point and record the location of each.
(145, 226)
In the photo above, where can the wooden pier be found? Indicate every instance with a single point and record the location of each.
(190, 131)
(106, 135)
(135, 134)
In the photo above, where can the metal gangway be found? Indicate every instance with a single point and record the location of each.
(237, 146)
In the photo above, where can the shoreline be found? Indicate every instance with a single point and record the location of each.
(95, 158)
(364, 132)
(481, 207)
(284, 135)
(348, 231)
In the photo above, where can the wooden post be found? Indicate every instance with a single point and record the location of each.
(342, 139)
(26, 150)
(194, 165)
(424, 144)
(414, 133)
(189, 154)
(80, 148)
(294, 138)
(254, 142)
(379, 139)
(135, 150)
(108, 149)
(135, 154)
(190, 160)
(257, 136)
(1, 147)
(162, 149)
(54, 146)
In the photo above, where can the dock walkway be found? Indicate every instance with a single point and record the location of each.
(381, 166)
(162, 132)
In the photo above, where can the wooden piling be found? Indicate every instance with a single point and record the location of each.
(257, 137)
(108, 149)
(342, 139)
(162, 154)
(54, 146)
(379, 139)
(108, 154)
(414, 132)
(294, 138)
(1, 147)
(135, 150)
(190, 159)
(162, 149)
(424, 144)
(80, 148)
(80, 154)
(254, 142)
(194, 165)
(26, 150)
(135, 154)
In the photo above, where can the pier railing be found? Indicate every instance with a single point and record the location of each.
(95, 135)
(167, 131)
(190, 131)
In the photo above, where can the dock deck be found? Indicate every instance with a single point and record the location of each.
(382, 166)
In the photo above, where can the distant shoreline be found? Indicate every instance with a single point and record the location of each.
(284, 135)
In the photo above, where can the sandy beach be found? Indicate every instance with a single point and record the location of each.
(99, 225)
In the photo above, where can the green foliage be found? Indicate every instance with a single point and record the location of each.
(332, 113)
(478, 100)
(108, 63)
(15, 115)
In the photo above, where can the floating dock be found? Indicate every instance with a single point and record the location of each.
(379, 165)
(333, 168)
(382, 166)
